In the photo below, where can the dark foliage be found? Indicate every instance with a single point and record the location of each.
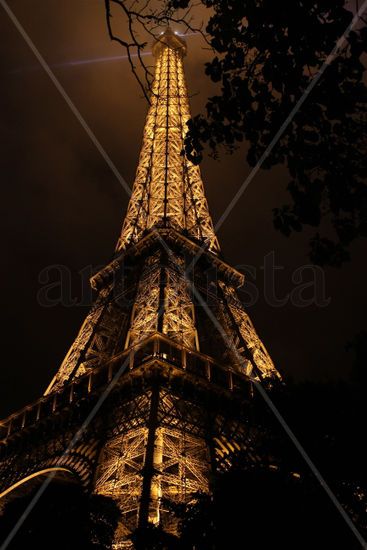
(275, 501)
(266, 54)
(64, 518)
(154, 538)
(358, 346)
(329, 421)
(263, 509)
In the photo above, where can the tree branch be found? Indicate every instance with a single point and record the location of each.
(148, 19)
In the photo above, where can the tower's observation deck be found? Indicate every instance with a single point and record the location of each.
(167, 207)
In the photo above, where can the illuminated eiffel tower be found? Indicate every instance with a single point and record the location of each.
(176, 405)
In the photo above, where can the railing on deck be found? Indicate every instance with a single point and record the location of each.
(154, 348)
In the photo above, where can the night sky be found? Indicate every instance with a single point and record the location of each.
(61, 204)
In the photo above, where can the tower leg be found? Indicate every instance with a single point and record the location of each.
(145, 502)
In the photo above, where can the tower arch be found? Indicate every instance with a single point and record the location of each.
(27, 483)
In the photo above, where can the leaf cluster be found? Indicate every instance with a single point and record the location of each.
(266, 57)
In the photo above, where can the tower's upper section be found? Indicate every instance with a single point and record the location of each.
(168, 190)
(170, 39)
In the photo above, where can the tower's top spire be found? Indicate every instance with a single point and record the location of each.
(168, 190)
(171, 39)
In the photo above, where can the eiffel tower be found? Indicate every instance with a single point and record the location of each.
(171, 389)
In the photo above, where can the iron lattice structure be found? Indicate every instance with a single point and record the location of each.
(168, 190)
(181, 407)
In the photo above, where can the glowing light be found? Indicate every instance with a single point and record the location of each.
(172, 175)
(39, 473)
(168, 192)
(98, 60)
(80, 62)
(188, 34)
